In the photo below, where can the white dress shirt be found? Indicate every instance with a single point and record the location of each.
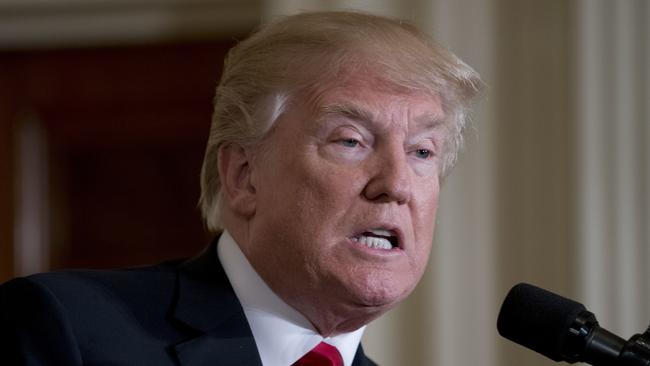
(281, 333)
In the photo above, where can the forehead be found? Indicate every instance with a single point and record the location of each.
(370, 98)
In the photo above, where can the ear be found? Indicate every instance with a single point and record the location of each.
(235, 173)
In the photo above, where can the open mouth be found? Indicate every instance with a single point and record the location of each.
(377, 239)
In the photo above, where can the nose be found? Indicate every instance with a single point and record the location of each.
(390, 178)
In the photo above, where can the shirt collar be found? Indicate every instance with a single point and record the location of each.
(282, 334)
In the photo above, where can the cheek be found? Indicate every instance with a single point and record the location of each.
(307, 201)
(424, 220)
(327, 189)
(428, 217)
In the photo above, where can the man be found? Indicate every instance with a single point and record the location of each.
(330, 136)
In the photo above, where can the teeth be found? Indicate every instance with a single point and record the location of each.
(372, 242)
(381, 232)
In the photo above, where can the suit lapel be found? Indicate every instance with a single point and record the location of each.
(207, 303)
(360, 358)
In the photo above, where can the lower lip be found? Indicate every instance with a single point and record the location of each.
(362, 248)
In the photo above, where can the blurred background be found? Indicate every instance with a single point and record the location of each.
(105, 107)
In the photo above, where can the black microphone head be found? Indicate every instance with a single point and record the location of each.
(538, 319)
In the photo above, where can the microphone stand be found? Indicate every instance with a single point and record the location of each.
(636, 351)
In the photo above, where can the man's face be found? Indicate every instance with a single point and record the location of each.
(346, 192)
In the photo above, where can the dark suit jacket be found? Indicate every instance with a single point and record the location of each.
(175, 313)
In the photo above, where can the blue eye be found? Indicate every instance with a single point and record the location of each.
(349, 142)
(423, 153)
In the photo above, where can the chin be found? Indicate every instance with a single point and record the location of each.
(380, 292)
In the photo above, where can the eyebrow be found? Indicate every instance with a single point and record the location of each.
(431, 121)
(349, 111)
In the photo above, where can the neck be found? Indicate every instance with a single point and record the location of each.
(329, 316)
(330, 322)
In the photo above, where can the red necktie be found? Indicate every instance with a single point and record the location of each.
(321, 355)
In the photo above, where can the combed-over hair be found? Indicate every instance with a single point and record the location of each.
(263, 74)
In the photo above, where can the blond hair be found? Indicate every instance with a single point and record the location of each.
(263, 73)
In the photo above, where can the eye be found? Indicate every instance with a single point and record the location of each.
(423, 153)
(349, 142)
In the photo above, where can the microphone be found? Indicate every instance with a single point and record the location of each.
(564, 330)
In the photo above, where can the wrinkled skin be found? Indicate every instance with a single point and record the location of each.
(350, 157)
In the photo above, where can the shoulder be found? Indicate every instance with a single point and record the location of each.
(131, 316)
(62, 317)
(80, 296)
(87, 285)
